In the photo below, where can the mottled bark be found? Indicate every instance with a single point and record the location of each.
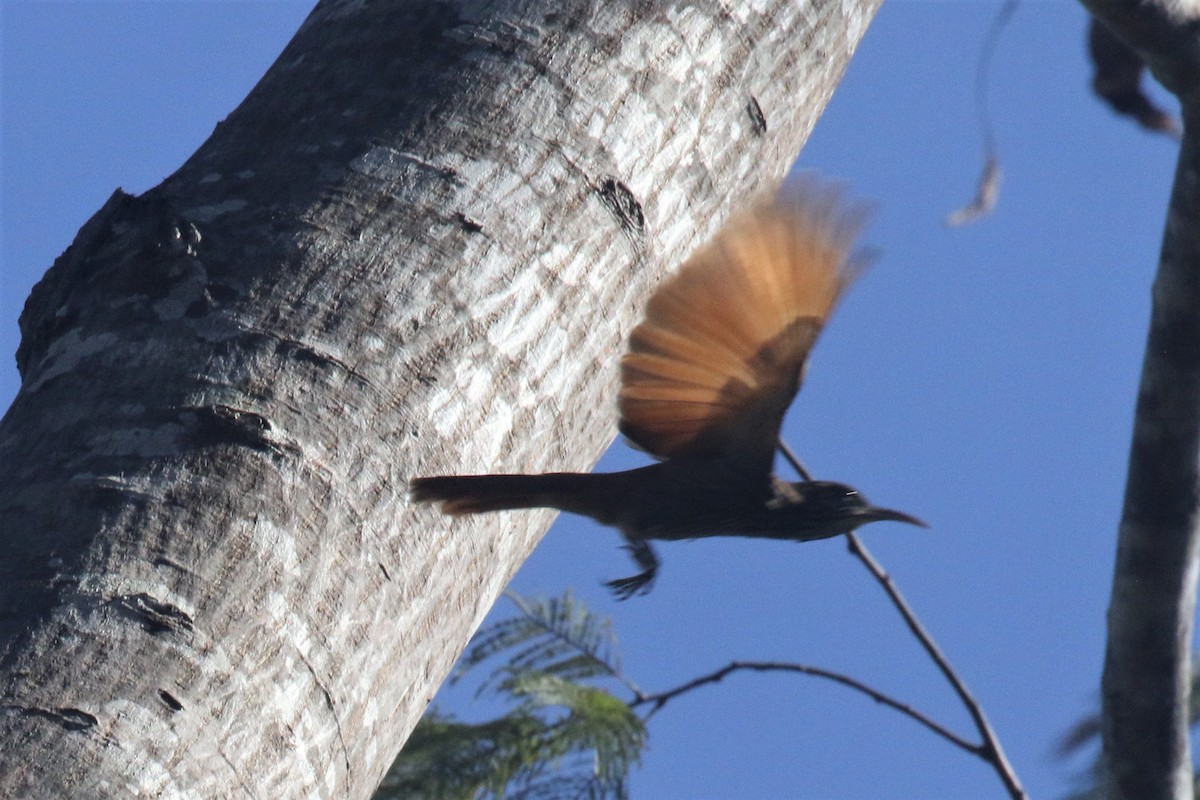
(1147, 666)
(414, 249)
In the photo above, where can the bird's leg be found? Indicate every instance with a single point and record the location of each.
(643, 554)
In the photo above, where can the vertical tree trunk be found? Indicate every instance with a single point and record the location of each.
(1147, 665)
(415, 247)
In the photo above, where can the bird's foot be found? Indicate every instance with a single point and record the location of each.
(625, 588)
(643, 554)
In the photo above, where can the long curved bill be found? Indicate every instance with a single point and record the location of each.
(877, 514)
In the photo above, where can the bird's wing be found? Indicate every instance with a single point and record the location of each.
(714, 365)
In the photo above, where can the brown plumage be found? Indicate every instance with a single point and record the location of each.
(712, 369)
(709, 374)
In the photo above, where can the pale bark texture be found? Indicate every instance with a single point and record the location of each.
(1147, 666)
(415, 248)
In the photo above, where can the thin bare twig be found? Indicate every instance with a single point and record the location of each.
(988, 190)
(990, 750)
(794, 460)
(660, 699)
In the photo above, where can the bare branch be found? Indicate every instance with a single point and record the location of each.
(660, 699)
(990, 750)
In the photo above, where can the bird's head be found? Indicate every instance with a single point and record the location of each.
(820, 509)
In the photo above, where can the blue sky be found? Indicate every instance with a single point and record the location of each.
(982, 378)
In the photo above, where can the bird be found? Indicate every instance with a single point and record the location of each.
(705, 382)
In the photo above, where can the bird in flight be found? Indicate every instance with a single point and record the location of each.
(708, 376)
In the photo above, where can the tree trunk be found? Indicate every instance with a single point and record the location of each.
(1147, 665)
(415, 248)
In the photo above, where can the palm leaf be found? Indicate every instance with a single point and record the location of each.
(562, 738)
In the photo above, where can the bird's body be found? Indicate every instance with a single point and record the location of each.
(660, 501)
(709, 374)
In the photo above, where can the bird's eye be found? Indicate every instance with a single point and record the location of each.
(852, 493)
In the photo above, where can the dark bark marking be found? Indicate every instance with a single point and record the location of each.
(169, 700)
(132, 252)
(198, 307)
(71, 719)
(212, 296)
(758, 120)
(305, 353)
(46, 315)
(623, 204)
(332, 710)
(469, 225)
(220, 293)
(156, 616)
(163, 561)
(210, 426)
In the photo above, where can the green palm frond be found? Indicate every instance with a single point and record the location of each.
(562, 738)
(558, 635)
(449, 760)
(592, 720)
